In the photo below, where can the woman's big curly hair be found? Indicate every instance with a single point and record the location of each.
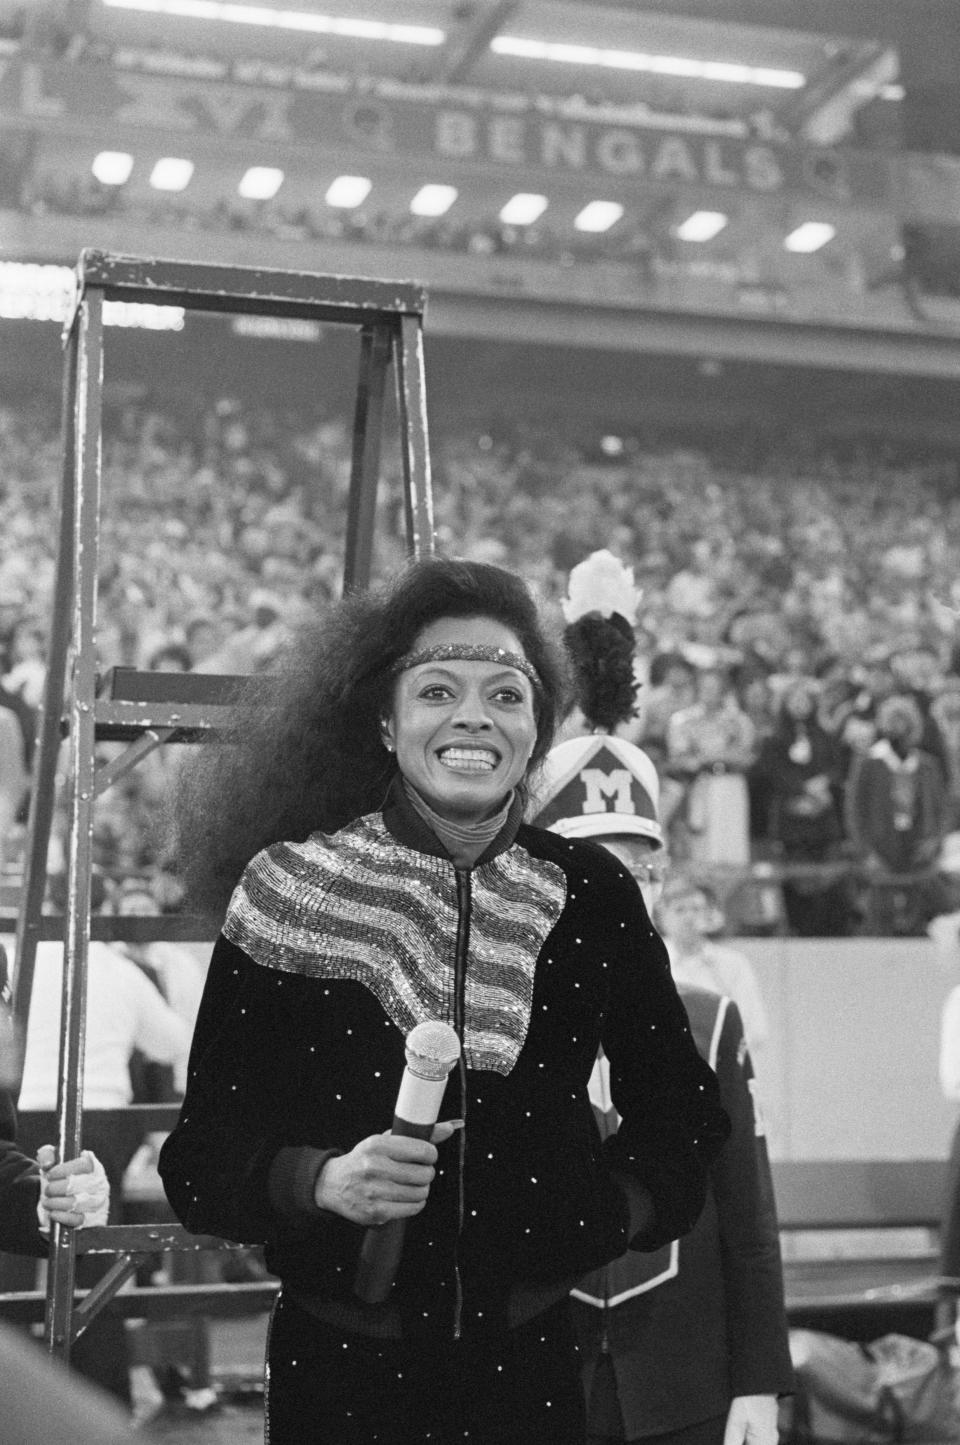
(601, 654)
(305, 751)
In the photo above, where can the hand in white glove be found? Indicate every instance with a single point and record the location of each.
(73, 1193)
(752, 1420)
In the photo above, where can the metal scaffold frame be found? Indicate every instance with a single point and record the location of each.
(83, 707)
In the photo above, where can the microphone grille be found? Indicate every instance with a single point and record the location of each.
(432, 1049)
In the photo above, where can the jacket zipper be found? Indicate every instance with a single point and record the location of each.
(459, 1023)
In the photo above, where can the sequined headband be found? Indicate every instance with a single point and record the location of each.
(466, 652)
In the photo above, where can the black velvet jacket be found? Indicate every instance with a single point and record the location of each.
(299, 1053)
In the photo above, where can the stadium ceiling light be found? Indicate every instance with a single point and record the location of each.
(523, 209)
(348, 191)
(171, 173)
(112, 168)
(677, 65)
(287, 20)
(433, 200)
(702, 226)
(598, 216)
(260, 183)
(810, 236)
(36, 292)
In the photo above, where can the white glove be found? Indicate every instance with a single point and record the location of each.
(75, 1192)
(752, 1420)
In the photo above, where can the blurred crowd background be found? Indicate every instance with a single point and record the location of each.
(798, 668)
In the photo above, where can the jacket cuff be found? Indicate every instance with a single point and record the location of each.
(292, 1179)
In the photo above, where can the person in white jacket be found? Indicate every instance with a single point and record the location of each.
(125, 1011)
(949, 1069)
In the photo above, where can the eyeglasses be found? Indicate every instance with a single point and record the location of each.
(651, 870)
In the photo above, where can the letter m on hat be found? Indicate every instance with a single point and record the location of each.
(599, 786)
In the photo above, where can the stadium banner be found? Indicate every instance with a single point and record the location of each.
(332, 114)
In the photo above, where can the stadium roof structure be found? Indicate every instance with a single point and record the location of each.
(807, 66)
(718, 158)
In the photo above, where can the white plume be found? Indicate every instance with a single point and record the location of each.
(601, 583)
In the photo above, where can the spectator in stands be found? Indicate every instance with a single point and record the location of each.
(689, 917)
(670, 687)
(837, 705)
(798, 777)
(918, 673)
(205, 636)
(176, 969)
(170, 657)
(875, 683)
(14, 778)
(896, 806)
(711, 745)
(693, 591)
(757, 698)
(945, 711)
(28, 668)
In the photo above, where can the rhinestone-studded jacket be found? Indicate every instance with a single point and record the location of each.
(331, 951)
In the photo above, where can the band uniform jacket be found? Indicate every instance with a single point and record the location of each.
(701, 1320)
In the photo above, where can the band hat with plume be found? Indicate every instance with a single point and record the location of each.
(601, 583)
(598, 785)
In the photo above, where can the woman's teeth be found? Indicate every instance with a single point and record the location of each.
(469, 760)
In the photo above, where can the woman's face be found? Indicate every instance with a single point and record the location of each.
(463, 731)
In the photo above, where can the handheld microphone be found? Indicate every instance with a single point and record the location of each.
(432, 1049)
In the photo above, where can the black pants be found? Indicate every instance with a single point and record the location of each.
(325, 1387)
(704, 1432)
(605, 1422)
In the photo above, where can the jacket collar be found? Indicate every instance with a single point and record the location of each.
(405, 824)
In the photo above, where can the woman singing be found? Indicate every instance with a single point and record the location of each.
(378, 788)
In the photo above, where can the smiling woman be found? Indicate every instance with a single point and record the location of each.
(378, 785)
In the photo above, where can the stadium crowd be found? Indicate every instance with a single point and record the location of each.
(45, 195)
(797, 656)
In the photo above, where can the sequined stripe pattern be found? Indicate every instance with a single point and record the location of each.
(359, 905)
